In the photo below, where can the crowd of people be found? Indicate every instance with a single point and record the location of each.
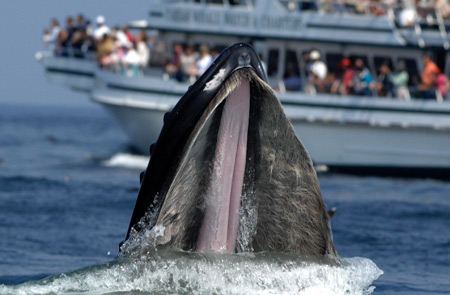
(114, 48)
(355, 78)
(405, 12)
(117, 49)
(187, 63)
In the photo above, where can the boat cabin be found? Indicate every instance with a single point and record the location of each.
(285, 32)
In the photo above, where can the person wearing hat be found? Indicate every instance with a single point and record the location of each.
(317, 70)
(344, 84)
(101, 29)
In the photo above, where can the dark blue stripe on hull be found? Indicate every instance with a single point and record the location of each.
(71, 72)
(400, 172)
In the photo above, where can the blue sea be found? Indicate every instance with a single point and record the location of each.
(68, 183)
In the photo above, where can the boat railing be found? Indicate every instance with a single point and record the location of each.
(72, 52)
(442, 27)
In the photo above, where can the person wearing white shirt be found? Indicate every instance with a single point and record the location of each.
(101, 29)
(131, 61)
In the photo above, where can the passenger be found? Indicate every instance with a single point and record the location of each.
(384, 86)
(173, 68)
(407, 15)
(428, 78)
(317, 72)
(442, 7)
(77, 42)
(400, 81)
(121, 37)
(80, 22)
(328, 83)
(202, 63)
(344, 85)
(376, 8)
(105, 50)
(120, 48)
(142, 50)
(292, 81)
(89, 42)
(363, 82)
(361, 6)
(127, 33)
(70, 28)
(89, 29)
(62, 43)
(51, 39)
(188, 60)
(101, 29)
(46, 37)
(442, 87)
(131, 61)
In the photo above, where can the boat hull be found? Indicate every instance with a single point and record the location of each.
(360, 135)
(376, 150)
(347, 134)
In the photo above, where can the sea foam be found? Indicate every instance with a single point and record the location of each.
(172, 272)
(127, 161)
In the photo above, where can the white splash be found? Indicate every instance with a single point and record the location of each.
(127, 161)
(193, 273)
(216, 80)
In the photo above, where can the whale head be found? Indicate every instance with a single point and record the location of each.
(228, 173)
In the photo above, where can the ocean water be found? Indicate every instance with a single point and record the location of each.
(68, 183)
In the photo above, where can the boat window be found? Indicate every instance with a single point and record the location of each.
(272, 62)
(216, 2)
(291, 64)
(333, 61)
(240, 2)
(411, 67)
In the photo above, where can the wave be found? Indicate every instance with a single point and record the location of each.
(172, 272)
(127, 161)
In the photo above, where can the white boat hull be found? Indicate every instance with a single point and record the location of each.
(353, 146)
(342, 133)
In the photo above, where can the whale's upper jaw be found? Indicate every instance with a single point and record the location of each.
(179, 123)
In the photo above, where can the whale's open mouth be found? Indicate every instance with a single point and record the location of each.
(228, 173)
(219, 226)
(216, 154)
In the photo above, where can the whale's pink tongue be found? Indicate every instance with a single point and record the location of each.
(219, 227)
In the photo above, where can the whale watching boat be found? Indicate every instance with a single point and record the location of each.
(366, 134)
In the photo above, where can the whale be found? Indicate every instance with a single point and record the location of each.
(228, 173)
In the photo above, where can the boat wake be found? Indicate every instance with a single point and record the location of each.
(127, 161)
(169, 272)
